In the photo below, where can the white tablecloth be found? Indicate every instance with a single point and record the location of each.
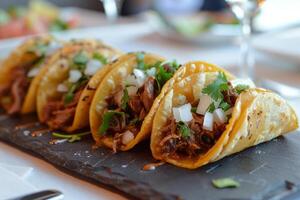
(135, 37)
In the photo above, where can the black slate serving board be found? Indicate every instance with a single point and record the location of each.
(263, 171)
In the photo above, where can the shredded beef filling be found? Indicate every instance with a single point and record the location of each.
(138, 107)
(200, 141)
(15, 91)
(60, 115)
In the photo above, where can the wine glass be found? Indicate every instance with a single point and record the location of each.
(111, 8)
(245, 10)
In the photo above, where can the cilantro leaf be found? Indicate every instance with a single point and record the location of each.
(225, 106)
(140, 60)
(194, 109)
(225, 183)
(100, 57)
(211, 108)
(125, 99)
(241, 87)
(184, 130)
(80, 58)
(215, 89)
(68, 97)
(107, 119)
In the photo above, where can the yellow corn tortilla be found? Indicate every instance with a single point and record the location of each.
(56, 74)
(258, 116)
(116, 77)
(124, 67)
(20, 56)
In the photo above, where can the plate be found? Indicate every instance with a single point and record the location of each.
(263, 171)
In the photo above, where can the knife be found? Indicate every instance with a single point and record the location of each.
(42, 195)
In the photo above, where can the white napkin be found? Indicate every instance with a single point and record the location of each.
(13, 184)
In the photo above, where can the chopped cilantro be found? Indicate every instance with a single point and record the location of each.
(125, 99)
(215, 89)
(107, 119)
(225, 183)
(140, 60)
(211, 108)
(240, 88)
(80, 58)
(100, 57)
(225, 106)
(194, 109)
(68, 97)
(184, 130)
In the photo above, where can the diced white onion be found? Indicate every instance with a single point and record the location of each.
(130, 80)
(246, 81)
(151, 71)
(132, 90)
(208, 121)
(52, 47)
(140, 77)
(92, 67)
(127, 137)
(74, 75)
(183, 113)
(204, 103)
(62, 88)
(33, 72)
(219, 116)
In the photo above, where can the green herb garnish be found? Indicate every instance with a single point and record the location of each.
(80, 58)
(71, 138)
(107, 119)
(211, 108)
(215, 89)
(125, 99)
(162, 74)
(100, 57)
(68, 97)
(184, 130)
(193, 109)
(140, 60)
(225, 106)
(225, 183)
(240, 88)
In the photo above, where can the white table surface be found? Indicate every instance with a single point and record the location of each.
(132, 37)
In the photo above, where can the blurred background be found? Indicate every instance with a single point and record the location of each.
(18, 16)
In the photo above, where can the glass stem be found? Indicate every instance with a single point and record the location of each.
(246, 57)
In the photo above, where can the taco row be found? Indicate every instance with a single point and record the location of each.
(193, 114)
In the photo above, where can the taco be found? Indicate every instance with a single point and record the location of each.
(19, 71)
(67, 88)
(207, 116)
(126, 100)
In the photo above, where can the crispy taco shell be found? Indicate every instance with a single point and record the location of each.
(56, 73)
(121, 69)
(258, 116)
(23, 56)
(124, 67)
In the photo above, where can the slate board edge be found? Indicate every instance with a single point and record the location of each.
(138, 190)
